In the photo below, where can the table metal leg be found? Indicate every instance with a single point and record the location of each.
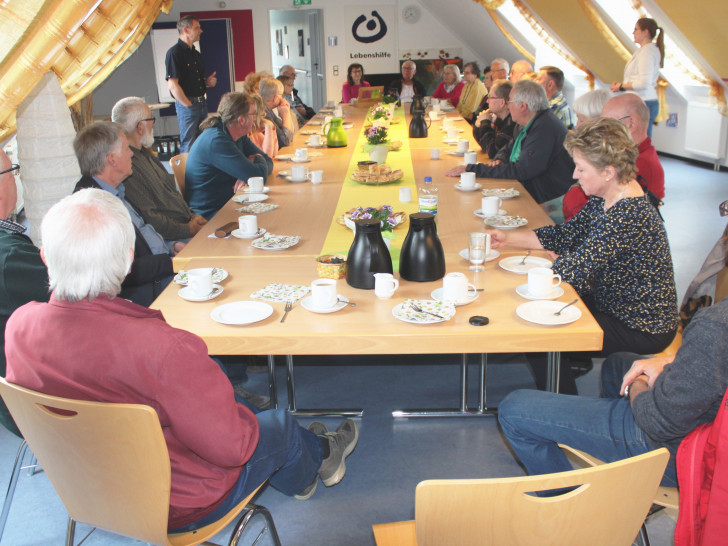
(272, 390)
(553, 371)
(464, 411)
(316, 412)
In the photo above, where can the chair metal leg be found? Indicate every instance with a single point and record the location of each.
(642, 539)
(251, 511)
(11, 486)
(70, 531)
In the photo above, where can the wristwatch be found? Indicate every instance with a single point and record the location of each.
(621, 86)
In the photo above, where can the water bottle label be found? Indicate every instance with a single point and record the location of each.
(428, 204)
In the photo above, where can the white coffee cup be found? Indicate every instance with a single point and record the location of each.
(405, 195)
(435, 106)
(490, 205)
(456, 288)
(299, 173)
(199, 281)
(256, 184)
(467, 180)
(323, 293)
(327, 120)
(433, 115)
(315, 140)
(330, 104)
(447, 123)
(434, 153)
(463, 146)
(470, 157)
(385, 285)
(248, 224)
(354, 100)
(338, 112)
(316, 177)
(452, 133)
(301, 154)
(541, 281)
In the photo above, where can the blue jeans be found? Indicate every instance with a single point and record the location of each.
(535, 422)
(189, 119)
(654, 108)
(287, 454)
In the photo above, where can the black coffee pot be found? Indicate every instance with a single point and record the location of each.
(422, 258)
(368, 254)
(417, 106)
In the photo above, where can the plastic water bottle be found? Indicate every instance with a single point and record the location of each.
(428, 196)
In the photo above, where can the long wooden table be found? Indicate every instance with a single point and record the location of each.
(370, 327)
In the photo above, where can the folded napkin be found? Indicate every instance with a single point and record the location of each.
(257, 208)
(281, 292)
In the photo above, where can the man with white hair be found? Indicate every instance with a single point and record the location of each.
(105, 160)
(519, 69)
(407, 86)
(23, 276)
(88, 344)
(499, 69)
(305, 111)
(537, 157)
(150, 188)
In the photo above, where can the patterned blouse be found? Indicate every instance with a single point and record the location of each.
(620, 258)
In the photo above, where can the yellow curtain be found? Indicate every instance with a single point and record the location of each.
(515, 43)
(81, 41)
(551, 42)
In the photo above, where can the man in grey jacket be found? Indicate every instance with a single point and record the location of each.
(150, 188)
(656, 403)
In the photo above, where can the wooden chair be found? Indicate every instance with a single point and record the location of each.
(608, 506)
(178, 164)
(110, 466)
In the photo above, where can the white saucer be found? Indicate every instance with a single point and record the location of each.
(186, 294)
(251, 198)
(294, 160)
(492, 255)
(459, 130)
(322, 145)
(459, 154)
(236, 233)
(459, 186)
(291, 179)
(479, 213)
(241, 312)
(542, 312)
(514, 265)
(472, 296)
(556, 292)
(248, 190)
(307, 304)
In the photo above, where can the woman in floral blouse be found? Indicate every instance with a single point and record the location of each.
(614, 252)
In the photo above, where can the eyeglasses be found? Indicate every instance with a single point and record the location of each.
(153, 120)
(15, 167)
(624, 117)
(723, 208)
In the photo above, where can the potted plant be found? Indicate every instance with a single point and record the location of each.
(377, 143)
(386, 216)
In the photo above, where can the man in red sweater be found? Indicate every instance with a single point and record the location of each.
(631, 110)
(88, 344)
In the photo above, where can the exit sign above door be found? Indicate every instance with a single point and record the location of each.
(301, 2)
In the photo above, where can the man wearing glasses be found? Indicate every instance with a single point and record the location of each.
(494, 128)
(151, 189)
(407, 86)
(23, 276)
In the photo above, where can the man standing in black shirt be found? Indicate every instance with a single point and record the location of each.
(187, 82)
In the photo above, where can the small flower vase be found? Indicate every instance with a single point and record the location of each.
(379, 153)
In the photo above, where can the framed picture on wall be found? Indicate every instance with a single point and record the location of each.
(300, 43)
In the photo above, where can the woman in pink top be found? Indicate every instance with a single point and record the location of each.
(451, 85)
(354, 80)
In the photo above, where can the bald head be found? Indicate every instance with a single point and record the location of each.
(631, 110)
(519, 69)
(8, 190)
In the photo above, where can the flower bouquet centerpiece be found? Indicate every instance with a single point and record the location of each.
(380, 116)
(391, 98)
(377, 144)
(386, 216)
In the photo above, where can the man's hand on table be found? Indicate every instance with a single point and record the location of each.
(455, 171)
(650, 367)
(196, 224)
(239, 184)
(177, 247)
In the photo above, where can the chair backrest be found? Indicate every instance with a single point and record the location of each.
(108, 462)
(178, 164)
(608, 507)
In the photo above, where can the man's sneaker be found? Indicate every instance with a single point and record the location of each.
(318, 428)
(341, 444)
(309, 491)
(263, 402)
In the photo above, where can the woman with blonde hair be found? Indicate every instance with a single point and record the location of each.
(643, 69)
(271, 91)
(223, 157)
(614, 252)
(451, 85)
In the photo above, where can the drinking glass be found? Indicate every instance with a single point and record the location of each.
(476, 251)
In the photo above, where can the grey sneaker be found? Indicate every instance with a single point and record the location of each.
(263, 402)
(308, 492)
(318, 428)
(341, 444)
